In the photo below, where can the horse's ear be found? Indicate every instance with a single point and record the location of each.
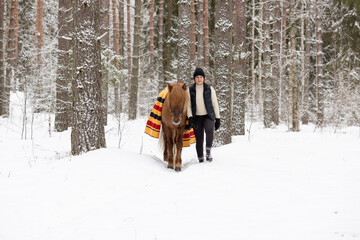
(184, 86)
(169, 87)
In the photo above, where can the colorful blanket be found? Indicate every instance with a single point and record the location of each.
(154, 122)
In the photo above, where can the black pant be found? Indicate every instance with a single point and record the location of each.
(203, 123)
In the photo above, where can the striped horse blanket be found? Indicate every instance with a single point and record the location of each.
(154, 122)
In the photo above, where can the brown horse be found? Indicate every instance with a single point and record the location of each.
(173, 119)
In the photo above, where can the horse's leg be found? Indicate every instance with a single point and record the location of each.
(165, 147)
(179, 145)
(168, 150)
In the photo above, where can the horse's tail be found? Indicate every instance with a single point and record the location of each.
(161, 140)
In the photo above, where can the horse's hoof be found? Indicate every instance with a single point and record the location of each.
(178, 169)
(172, 167)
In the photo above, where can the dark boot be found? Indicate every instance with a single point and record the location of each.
(208, 155)
(201, 159)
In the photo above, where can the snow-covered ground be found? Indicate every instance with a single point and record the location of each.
(268, 184)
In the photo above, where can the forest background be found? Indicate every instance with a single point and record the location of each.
(284, 61)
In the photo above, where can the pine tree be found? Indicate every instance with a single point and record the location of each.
(88, 128)
(105, 44)
(160, 65)
(116, 50)
(239, 63)
(64, 72)
(206, 36)
(184, 41)
(152, 46)
(276, 66)
(293, 67)
(2, 90)
(192, 36)
(12, 55)
(268, 78)
(223, 56)
(122, 46)
(200, 33)
(319, 84)
(133, 100)
(306, 67)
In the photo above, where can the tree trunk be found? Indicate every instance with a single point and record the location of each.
(200, 35)
(12, 54)
(116, 49)
(135, 67)
(319, 65)
(170, 41)
(128, 36)
(63, 76)
(2, 77)
(253, 76)
(184, 42)
(268, 85)
(39, 79)
(122, 45)
(88, 128)
(261, 47)
(223, 56)
(105, 40)
(306, 89)
(238, 116)
(206, 36)
(283, 103)
(161, 84)
(39, 32)
(293, 67)
(192, 36)
(276, 62)
(151, 31)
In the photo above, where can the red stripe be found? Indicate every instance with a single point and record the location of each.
(188, 135)
(153, 125)
(157, 107)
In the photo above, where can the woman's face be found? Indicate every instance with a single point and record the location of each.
(199, 79)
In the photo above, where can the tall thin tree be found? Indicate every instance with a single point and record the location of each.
(276, 60)
(253, 73)
(306, 81)
(105, 42)
(268, 79)
(293, 67)
(39, 32)
(238, 116)
(192, 35)
(319, 65)
(184, 41)
(122, 47)
(200, 33)
(88, 128)
(223, 56)
(283, 95)
(116, 49)
(63, 76)
(152, 46)
(12, 54)
(206, 36)
(160, 65)
(135, 65)
(2, 78)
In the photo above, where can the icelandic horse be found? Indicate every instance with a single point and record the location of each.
(173, 121)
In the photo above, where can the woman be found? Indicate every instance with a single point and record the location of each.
(203, 111)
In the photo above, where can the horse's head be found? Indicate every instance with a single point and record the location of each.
(178, 99)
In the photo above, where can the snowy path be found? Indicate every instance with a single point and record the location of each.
(272, 185)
